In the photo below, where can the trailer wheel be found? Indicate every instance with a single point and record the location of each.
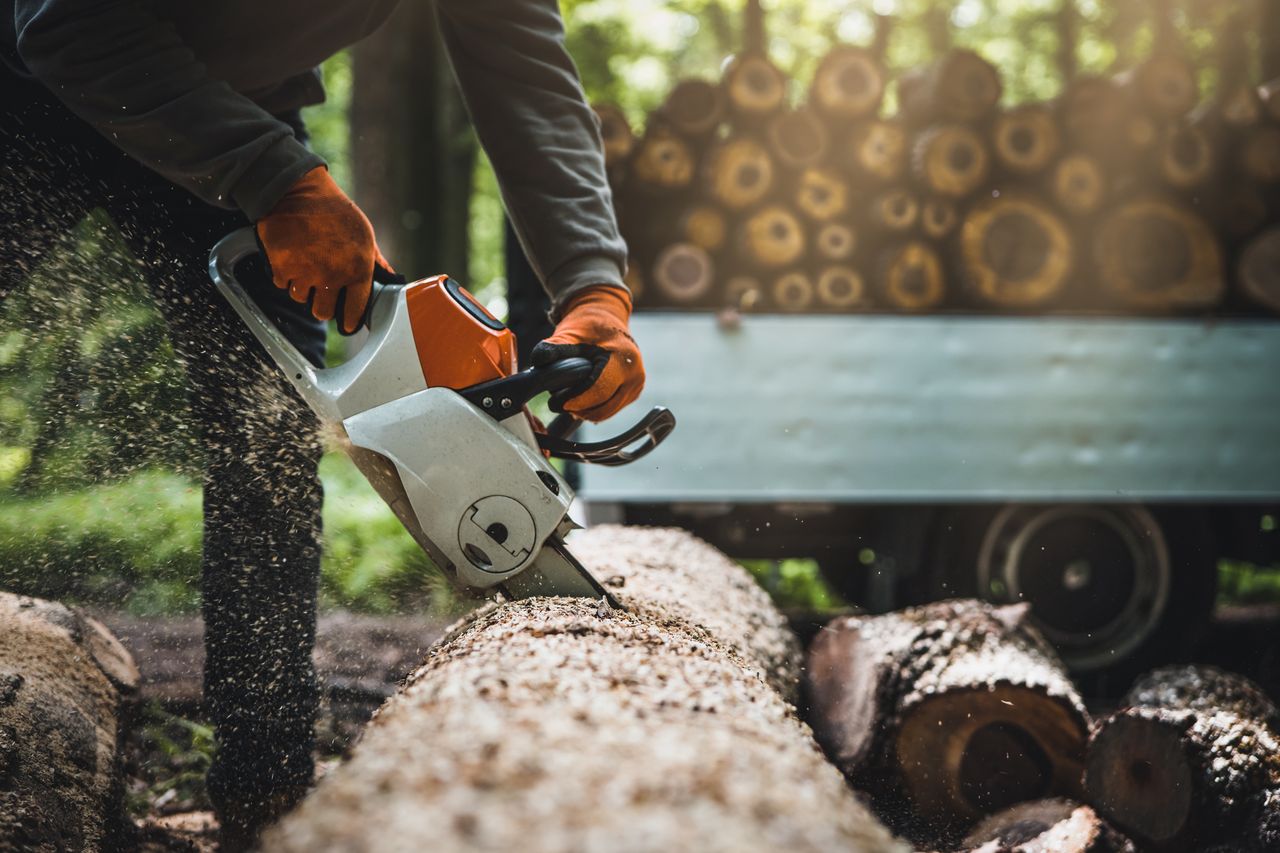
(1112, 587)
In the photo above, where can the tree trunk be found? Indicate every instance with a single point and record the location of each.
(947, 712)
(559, 724)
(64, 685)
(1046, 826)
(1191, 762)
(412, 149)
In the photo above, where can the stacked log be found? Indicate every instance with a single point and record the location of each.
(1192, 762)
(561, 724)
(1046, 826)
(66, 685)
(1122, 195)
(946, 713)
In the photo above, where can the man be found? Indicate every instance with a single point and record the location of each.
(181, 120)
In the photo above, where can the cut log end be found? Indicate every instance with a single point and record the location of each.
(754, 87)
(951, 160)
(839, 287)
(878, 149)
(740, 173)
(1025, 139)
(1159, 255)
(793, 291)
(1260, 269)
(938, 218)
(797, 138)
(772, 237)
(663, 161)
(895, 211)
(694, 107)
(835, 241)
(848, 84)
(1078, 184)
(1186, 157)
(911, 277)
(1165, 84)
(1140, 777)
(821, 194)
(705, 226)
(683, 274)
(1016, 251)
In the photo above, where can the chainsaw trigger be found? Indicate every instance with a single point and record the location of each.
(624, 448)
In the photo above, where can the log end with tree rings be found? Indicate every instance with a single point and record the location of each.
(1156, 254)
(616, 133)
(1025, 139)
(793, 291)
(1259, 269)
(1186, 157)
(835, 241)
(663, 161)
(797, 138)
(1015, 251)
(1078, 184)
(743, 293)
(705, 226)
(878, 149)
(1260, 154)
(911, 277)
(896, 211)
(839, 287)
(951, 159)
(848, 84)
(683, 274)
(739, 172)
(821, 194)
(1164, 84)
(694, 107)
(938, 217)
(772, 237)
(754, 87)
(961, 86)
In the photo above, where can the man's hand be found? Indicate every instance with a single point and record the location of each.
(594, 327)
(319, 243)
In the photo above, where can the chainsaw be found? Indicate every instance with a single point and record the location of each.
(434, 412)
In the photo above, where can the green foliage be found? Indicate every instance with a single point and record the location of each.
(174, 755)
(1245, 583)
(795, 583)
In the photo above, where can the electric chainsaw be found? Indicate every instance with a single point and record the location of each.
(434, 411)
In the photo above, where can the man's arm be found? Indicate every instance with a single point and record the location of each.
(129, 75)
(525, 100)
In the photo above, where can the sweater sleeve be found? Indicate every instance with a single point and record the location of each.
(526, 103)
(127, 73)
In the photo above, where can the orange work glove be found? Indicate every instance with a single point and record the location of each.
(594, 327)
(321, 247)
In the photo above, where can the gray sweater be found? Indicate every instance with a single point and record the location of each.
(189, 88)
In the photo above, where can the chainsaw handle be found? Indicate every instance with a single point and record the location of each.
(501, 398)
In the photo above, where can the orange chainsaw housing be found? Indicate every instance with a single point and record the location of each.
(459, 343)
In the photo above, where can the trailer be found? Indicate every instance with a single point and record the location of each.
(1095, 467)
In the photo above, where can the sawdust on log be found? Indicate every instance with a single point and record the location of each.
(560, 725)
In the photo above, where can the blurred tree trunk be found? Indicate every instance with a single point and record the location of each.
(412, 148)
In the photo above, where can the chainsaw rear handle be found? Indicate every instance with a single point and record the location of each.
(508, 395)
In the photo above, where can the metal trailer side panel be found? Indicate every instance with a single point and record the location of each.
(876, 409)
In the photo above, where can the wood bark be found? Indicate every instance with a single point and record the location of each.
(559, 724)
(946, 713)
(1191, 762)
(412, 148)
(1046, 826)
(66, 685)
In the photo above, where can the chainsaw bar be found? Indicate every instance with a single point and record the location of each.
(555, 571)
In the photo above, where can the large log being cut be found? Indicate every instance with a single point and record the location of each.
(947, 712)
(1046, 826)
(1192, 762)
(559, 724)
(64, 681)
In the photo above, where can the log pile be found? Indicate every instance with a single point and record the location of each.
(559, 724)
(1046, 826)
(65, 685)
(1124, 194)
(946, 713)
(1192, 762)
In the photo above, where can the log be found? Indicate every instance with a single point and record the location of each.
(1190, 762)
(835, 241)
(839, 287)
(663, 161)
(847, 85)
(793, 291)
(694, 108)
(821, 194)
(66, 687)
(938, 218)
(1015, 252)
(910, 277)
(895, 211)
(1185, 157)
(959, 87)
(1078, 185)
(771, 238)
(1155, 254)
(616, 134)
(797, 138)
(1090, 111)
(739, 173)
(1025, 139)
(754, 88)
(878, 150)
(1163, 84)
(683, 274)
(1046, 826)
(705, 226)
(1260, 154)
(1258, 270)
(1240, 209)
(948, 712)
(951, 160)
(559, 724)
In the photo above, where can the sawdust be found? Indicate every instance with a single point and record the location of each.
(551, 724)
